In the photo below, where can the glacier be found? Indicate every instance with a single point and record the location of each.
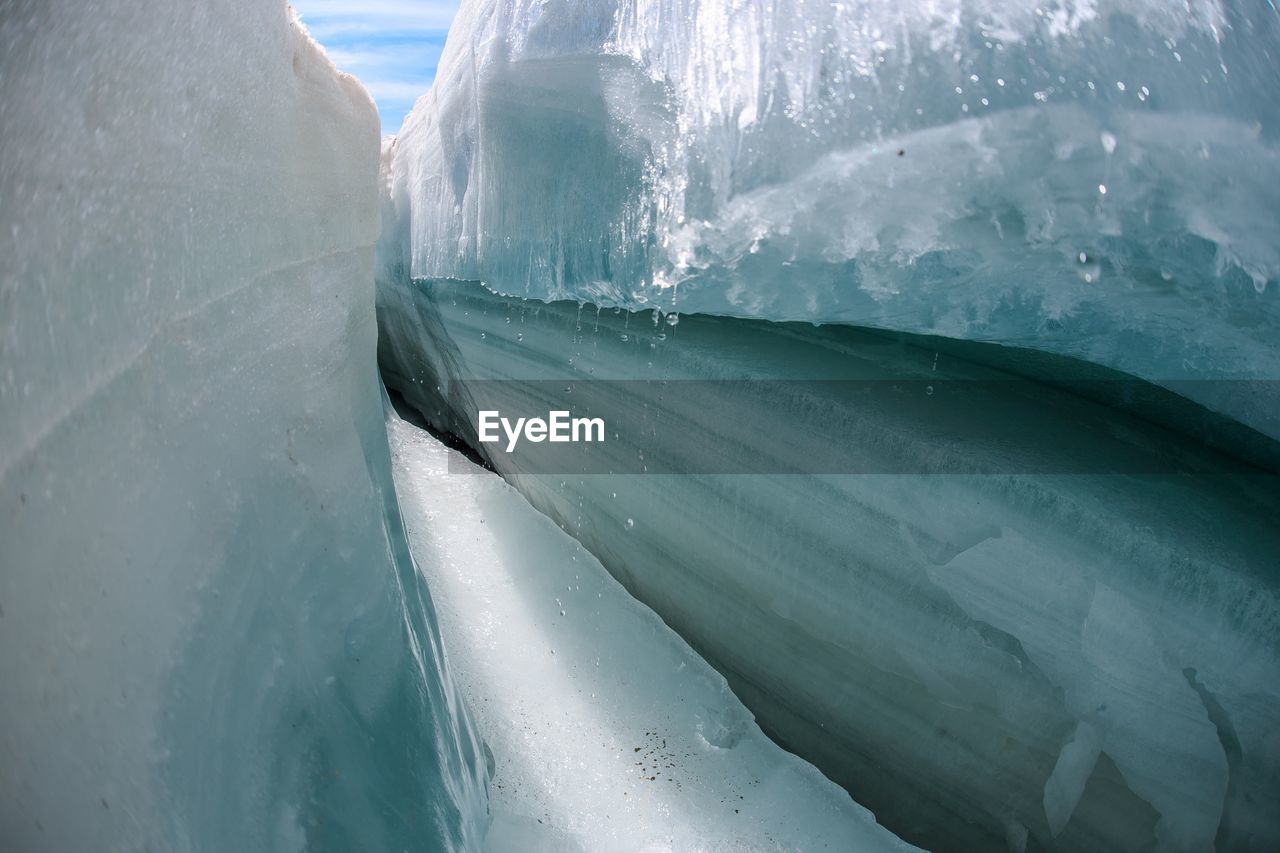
(212, 634)
(716, 224)
(939, 497)
(1096, 178)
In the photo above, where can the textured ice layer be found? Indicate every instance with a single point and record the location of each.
(1091, 662)
(1097, 179)
(608, 732)
(212, 636)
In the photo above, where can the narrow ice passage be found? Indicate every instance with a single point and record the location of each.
(607, 731)
(938, 344)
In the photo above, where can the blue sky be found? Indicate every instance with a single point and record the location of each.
(393, 46)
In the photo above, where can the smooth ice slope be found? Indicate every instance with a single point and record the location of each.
(1097, 178)
(609, 733)
(212, 636)
(1089, 660)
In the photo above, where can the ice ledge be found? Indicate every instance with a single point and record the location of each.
(609, 732)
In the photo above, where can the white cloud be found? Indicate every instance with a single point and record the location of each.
(394, 16)
(392, 46)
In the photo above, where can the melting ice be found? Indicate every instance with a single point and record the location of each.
(1043, 657)
(213, 635)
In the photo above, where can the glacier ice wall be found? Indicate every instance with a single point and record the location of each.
(212, 636)
(1040, 657)
(1097, 178)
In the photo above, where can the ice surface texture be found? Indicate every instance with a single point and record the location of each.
(1097, 178)
(609, 734)
(212, 636)
(1048, 661)
(1088, 661)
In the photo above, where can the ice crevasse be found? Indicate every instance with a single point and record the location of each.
(212, 635)
(602, 193)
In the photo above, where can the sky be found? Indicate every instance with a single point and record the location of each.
(393, 46)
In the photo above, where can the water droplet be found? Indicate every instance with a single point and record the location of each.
(928, 390)
(631, 522)
(520, 336)
(1108, 142)
(1102, 189)
(673, 318)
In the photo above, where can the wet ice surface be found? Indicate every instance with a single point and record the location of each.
(607, 731)
(1094, 179)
